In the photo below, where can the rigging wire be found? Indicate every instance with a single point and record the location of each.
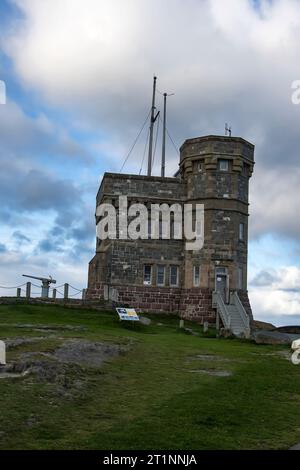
(156, 138)
(174, 145)
(135, 142)
(144, 154)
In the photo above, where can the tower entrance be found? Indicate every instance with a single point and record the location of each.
(222, 283)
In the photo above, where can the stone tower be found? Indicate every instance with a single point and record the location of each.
(217, 171)
(161, 275)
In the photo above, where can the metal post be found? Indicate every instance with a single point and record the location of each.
(66, 291)
(45, 290)
(153, 119)
(19, 292)
(28, 290)
(217, 322)
(163, 156)
(54, 294)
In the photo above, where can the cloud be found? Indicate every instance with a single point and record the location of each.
(264, 278)
(15, 263)
(48, 245)
(275, 201)
(100, 55)
(233, 61)
(276, 293)
(33, 137)
(31, 191)
(3, 248)
(20, 237)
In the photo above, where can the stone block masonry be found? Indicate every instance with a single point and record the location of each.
(161, 275)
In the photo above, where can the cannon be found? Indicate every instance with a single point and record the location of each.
(45, 284)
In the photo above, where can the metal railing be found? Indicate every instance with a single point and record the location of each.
(242, 312)
(27, 293)
(219, 303)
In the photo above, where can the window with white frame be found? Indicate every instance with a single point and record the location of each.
(196, 276)
(174, 276)
(242, 231)
(223, 165)
(160, 275)
(147, 275)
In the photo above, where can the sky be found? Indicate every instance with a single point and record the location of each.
(78, 76)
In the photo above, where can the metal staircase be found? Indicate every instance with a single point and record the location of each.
(233, 315)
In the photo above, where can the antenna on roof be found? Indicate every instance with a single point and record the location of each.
(163, 155)
(227, 130)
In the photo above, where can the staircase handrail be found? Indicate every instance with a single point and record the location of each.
(241, 309)
(222, 310)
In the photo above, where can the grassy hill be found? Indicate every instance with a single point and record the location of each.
(162, 389)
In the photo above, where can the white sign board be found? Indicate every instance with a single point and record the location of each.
(2, 354)
(128, 314)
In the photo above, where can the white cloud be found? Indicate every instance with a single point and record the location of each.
(225, 60)
(99, 56)
(275, 201)
(34, 137)
(278, 297)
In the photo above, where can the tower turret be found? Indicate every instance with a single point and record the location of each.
(216, 171)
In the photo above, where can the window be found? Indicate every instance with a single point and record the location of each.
(200, 166)
(174, 276)
(221, 271)
(245, 169)
(223, 165)
(242, 231)
(160, 229)
(172, 229)
(160, 275)
(240, 278)
(147, 275)
(196, 276)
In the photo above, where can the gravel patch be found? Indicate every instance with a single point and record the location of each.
(16, 342)
(209, 357)
(87, 353)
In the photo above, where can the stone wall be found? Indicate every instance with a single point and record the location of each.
(192, 304)
(141, 187)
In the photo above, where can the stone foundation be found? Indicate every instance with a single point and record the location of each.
(192, 304)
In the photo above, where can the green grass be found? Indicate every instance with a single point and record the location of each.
(148, 398)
